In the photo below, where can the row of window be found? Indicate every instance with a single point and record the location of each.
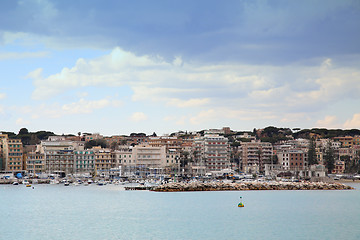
(36, 166)
(14, 168)
(79, 162)
(14, 163)
(34, 162)
(14, 146)
(85, 166)
(35, 157)
(14, 150)
(85, 157)
(84, 152)
(215, 167)
(172, 161)
(15, 154)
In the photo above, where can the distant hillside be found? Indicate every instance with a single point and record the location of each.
(326, 133)
(274, 134)
(30, 138)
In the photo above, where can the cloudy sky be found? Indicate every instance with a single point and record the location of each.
(117, 67)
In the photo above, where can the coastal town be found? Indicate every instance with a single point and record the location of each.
(262, 154)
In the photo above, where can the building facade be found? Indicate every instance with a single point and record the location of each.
(15, 155)
(254, 155)
(212, 152)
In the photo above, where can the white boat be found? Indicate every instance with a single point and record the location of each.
(101, 183)
(54, 181)
(15, 183)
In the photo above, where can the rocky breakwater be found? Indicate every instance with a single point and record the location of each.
(242, 186)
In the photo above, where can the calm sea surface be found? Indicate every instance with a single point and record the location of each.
(109, 212)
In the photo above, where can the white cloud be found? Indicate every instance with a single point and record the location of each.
(84, 106)
(354, 122)
(188, 103)
(2, 96)
(328, 122)
(139, 117)
(235, 91)
(20, 55)
(204, 116)
(22, 122)
(294, 118)
(82, 94)
(57, 110)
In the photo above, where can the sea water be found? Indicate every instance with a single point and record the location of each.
(110, 212)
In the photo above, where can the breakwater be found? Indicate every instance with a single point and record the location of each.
(242, 186)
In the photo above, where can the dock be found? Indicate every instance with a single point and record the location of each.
(139, 188)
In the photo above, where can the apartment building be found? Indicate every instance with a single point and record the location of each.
(103, 160)
(146, 159)
(168, 142)
(254, 155)
(84, 161)
(356, 140)
(35, 162)
(293, 159)
(59, 154)
(15, 155)
(212, 152)
(94, 136)
(3, 151)
(149, 157)
(345, 141)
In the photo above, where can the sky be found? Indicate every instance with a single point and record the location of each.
(118, 67)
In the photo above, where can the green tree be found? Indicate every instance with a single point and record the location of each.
(348, 165)
(113, 145)
(23, 131)
(97, 142)
(275, 159)
(329, 157)
(184, 159)
(312, 153)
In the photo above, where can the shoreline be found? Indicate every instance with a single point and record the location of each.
(348, 181)
(215, 186)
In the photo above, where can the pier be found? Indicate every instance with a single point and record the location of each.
(139, 188)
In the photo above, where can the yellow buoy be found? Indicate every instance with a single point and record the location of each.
(240, 203)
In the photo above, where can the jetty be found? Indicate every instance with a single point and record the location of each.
(243, 186)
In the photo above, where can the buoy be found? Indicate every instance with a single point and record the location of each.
(240, 203)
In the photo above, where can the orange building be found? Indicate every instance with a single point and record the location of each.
(345, 141)
(15, 155)
(356, 140)
(339, 167)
